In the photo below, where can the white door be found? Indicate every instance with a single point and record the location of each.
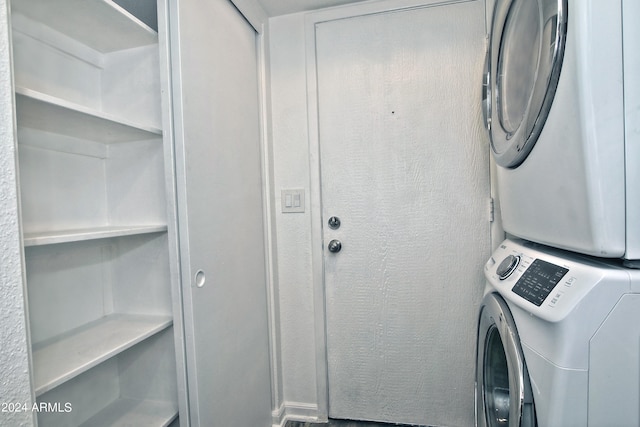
(405, 167)
(220, 215)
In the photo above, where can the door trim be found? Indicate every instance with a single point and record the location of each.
(168, 34)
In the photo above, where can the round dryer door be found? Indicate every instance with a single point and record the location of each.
(503, 390)
(522, 69)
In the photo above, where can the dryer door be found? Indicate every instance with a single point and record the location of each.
(522, 69)
(503, 390)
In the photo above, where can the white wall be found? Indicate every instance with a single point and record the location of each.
(15, 384)
(291, 170)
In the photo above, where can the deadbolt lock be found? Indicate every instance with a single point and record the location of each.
(334, 222)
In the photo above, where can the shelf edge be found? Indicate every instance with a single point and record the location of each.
(53, 102)
(162, 323)
(80, 235)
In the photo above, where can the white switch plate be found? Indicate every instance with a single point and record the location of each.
(292, 201)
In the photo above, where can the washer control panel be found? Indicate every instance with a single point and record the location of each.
(549, 283)
(540, 280)
(537, 281)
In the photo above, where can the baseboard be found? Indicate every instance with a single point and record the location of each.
(296, 411)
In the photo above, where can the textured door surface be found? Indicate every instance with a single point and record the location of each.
(221, 216)
(405, 167)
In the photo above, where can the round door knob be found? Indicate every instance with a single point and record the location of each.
(335, 246)
(507, 266)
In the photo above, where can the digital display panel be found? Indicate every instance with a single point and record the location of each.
(538, 281)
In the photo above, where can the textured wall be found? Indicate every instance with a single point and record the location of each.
(14, 359)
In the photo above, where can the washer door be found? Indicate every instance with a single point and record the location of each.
(522, 69)
(503, 390)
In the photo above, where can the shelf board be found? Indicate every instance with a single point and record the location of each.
(100, 24)
(78, 235)
(67, 356)
(130, 412)
(47, 113)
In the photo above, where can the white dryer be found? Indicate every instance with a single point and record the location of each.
(558, 340)
(562, 106)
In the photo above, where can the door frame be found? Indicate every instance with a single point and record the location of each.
(315, 198)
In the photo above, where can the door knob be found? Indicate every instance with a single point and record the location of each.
(335, 246)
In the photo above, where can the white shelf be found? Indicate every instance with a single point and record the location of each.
(63, 358)
(130, 412)
(47, 113)
(66, 236)
(99, 24)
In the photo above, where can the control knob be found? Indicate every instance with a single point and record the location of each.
(507, 266)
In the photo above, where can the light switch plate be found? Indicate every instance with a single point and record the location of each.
(292, 201)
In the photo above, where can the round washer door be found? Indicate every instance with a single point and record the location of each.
(503, 390)
(522, 69)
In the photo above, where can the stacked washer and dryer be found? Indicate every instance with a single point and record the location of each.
(559, 326)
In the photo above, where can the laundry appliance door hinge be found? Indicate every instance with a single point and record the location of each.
(491, 210)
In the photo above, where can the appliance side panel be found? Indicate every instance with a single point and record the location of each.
(614, 367)
(631, 54)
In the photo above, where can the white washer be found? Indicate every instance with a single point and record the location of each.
(562, 106)
(558, 340)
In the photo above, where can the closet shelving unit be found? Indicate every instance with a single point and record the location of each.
(94, 214)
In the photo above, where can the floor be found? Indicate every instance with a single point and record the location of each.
(340, 423)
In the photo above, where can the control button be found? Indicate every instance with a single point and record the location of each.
(507, 266)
